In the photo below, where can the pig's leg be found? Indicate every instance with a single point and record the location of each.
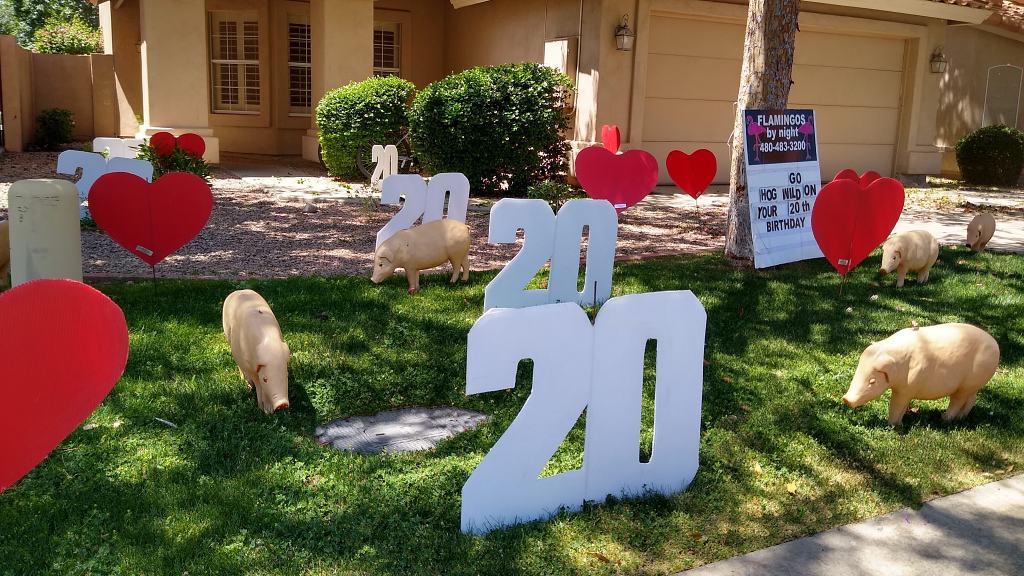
(414, 280)
(958, 403)
(897, 408)
(456, 265)
(922, 276)
(465, 269)
(969, 405)
(901, 276)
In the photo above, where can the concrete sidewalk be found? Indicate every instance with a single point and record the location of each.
(979, 532)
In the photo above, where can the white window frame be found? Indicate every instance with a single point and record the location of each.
(985, 121)
(384, 70)
(240, 18)
(293, 110)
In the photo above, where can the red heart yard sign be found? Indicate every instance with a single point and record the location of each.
(63, 346)
(152, 221)
(164, 144)
(622, 179)
(692, 173)
(849, 220)
(866, 180)
(611, 138)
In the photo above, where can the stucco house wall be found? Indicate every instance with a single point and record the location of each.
(863, 64)
(973, 53)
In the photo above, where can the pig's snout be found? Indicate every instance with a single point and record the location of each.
(848, 402)
(281, 404)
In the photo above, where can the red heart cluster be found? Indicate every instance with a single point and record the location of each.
(865, 180)
(152, 221)
(164, 144)
(63, 346)
(622, 179)
(853, 215)
(693, 173)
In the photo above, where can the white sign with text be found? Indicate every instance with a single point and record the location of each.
(783, 179)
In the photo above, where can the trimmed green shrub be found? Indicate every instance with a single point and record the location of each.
(54, 127)
(555, 193)
(501, 126)
(358, 115)
(991, 156)
(70, 37)
(177, 161)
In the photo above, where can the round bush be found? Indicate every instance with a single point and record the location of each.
(991, 156)
(501, 126)
(361, 114)
(54, 127)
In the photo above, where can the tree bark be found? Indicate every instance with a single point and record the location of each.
(764, 83)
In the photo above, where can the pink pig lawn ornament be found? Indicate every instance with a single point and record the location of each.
(258, 347)
(424, 247)
(980, 232)
(954, 360)
(5, 252)
(915, 251)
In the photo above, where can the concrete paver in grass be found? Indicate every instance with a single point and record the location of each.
(978, 532)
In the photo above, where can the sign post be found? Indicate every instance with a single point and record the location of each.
(783, 180)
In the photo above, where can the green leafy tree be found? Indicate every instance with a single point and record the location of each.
(31, 15)
(61, 37)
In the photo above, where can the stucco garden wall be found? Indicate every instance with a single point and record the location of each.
(36, 82)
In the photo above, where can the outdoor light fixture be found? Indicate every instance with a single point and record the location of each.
(939, 62)
(624, 37)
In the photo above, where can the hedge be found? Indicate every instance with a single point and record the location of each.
(501, 126)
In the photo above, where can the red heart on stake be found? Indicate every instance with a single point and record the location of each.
(849, 221)
(63, 346)
(152, 221)
(693, 173)
(611, 138)
(164, 144)
(622, 179)
(866, 180)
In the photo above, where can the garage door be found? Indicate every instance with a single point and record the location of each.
(854, 83)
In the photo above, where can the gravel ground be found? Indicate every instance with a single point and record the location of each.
(255, 233)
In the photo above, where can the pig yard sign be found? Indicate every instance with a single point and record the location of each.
(783, 179)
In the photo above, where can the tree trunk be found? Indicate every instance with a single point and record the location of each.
(764, 83)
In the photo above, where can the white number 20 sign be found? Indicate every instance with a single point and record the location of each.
(599, 368)
(545, 237)
(423, 200)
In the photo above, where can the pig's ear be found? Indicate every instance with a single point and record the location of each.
(886, 364)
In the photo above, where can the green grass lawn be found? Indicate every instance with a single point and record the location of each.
(230, 490)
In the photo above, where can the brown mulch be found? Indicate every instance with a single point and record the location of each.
(253, 233)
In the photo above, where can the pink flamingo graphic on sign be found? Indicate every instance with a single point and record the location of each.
(807, 129)
(755, 130)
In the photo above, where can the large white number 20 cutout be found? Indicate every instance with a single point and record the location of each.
(599, 368)
(545, 237)
(423, 200)
(95, 165)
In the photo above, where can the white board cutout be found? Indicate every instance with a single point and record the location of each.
(118, 147)
(563, 248)
(94, 166)
(599, 368)
(447, 194)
